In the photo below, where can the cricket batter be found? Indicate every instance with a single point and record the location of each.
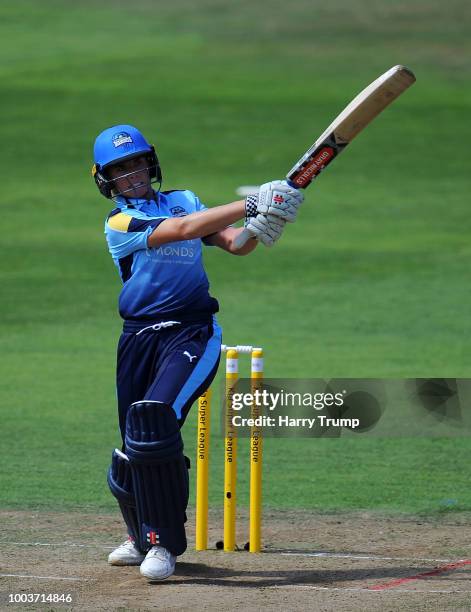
(169, 350)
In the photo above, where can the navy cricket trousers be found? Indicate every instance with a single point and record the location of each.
(173, 364)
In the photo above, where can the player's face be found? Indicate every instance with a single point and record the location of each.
(131, 178)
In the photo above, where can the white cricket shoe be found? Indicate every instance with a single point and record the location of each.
(126, 554)
(159, 563)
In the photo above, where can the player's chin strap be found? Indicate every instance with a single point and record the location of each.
(157, 191)
(116, 197)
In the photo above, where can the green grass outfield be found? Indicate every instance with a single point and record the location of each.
(372, 281)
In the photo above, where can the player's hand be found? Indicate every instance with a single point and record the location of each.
(266, 228)
(280, 199)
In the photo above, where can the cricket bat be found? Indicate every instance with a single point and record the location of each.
(368, 104)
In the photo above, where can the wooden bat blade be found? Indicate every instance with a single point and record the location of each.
(367, 105)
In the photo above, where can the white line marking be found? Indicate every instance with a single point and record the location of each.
(70, 544)
(364, 557)
(245, 190)
(42, 577)
(287, 553)
(283, 553)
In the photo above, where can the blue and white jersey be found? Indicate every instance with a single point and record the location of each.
(158, 283)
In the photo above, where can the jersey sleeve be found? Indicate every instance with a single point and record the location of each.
(192, 201)
(199, 206)
(126, 234)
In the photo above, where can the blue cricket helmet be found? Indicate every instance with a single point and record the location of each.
(118, 143)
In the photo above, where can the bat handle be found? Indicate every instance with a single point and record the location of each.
(244, 236)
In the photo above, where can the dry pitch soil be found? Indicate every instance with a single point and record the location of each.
(324, 562)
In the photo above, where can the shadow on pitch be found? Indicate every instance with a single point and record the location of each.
(202, 574)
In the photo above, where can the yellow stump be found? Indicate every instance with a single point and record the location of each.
(230, 455)
(256, 449)
(202, 466)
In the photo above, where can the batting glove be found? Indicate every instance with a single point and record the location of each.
(266, 228)
(280, 199)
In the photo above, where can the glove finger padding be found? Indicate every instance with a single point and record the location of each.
(280, 199)
(275, 222)
(267, 228)
(264, 225)
(286, 208)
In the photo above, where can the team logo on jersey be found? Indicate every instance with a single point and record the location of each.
(178, 211)
(121, 138)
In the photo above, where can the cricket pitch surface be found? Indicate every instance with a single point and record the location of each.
(357, 561)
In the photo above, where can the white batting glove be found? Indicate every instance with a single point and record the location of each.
(280, 199)
(266, 228)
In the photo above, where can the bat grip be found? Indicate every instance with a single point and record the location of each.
(244, 236)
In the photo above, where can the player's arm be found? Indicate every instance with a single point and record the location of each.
(265, 216)
(225, 239)
(197, 224)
